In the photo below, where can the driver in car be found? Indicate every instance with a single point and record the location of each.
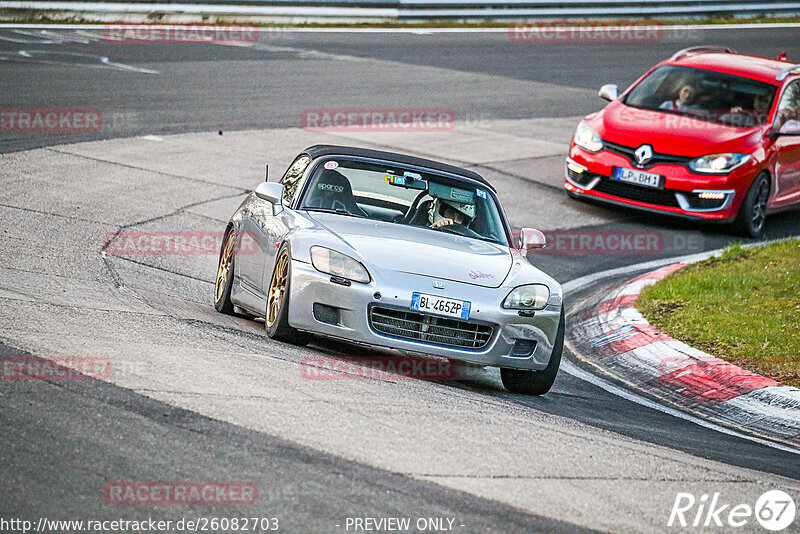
(447, 212)
(684, 102)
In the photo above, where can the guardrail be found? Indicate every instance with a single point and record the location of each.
(424, 9)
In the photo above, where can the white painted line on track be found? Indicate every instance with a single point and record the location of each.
(42, 37)
(573, 370)
(417, 30)
(104, 62)
(583, 281)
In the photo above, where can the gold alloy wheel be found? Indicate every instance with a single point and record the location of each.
(224, 269)
(277, 289)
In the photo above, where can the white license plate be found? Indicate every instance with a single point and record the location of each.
(440, 305)
(632, 176)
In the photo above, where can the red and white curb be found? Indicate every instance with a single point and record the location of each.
(610, 333)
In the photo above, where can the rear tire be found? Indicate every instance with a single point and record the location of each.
(276, 318)
(752, 216)
(536, 382)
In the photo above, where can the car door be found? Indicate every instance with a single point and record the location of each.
(272, 230)
(787, 147)
(253, 245)
(262, 229)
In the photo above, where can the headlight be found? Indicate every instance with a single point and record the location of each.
(331, 262)
(530, 297)
(586, 137)
(718, 163)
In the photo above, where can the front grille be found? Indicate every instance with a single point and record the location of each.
(429, 328)
(659, 197)
(657, 159)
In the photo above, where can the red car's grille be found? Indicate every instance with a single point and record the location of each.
(659, 197)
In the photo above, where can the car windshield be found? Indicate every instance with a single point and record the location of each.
(705, 95)
(396, 194)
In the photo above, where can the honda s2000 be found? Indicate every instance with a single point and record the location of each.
(393, 251)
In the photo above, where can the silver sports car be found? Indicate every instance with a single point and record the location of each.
(393, 251)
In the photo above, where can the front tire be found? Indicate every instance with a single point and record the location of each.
(536, 382)
(276, 318)
(752, 216)
(224, 282)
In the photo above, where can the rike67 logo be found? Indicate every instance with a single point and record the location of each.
(775, 511)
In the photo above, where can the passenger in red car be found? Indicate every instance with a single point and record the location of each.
(684, 102)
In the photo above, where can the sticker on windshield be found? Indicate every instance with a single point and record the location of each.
(481, 193)
(396, 180)
(331, 164)
(460, 195)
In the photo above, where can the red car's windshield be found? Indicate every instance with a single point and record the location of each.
(705, 95)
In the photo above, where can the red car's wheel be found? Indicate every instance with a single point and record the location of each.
(752, 215)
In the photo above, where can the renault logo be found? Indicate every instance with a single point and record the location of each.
(643, 154)
(438, 285)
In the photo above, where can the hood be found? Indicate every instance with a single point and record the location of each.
(395, 247)
(670, 133)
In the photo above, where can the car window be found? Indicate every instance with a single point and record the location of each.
(400, 195)
(787, 118)
(292, 177)
(705, 95)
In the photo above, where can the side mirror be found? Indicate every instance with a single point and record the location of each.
(609, 92)
(790, 127)
(272, 192)
(530, 238)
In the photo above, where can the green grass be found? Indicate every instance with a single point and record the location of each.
(743, 306)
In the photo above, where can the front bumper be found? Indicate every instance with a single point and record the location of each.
(309, 287)
(588, 175)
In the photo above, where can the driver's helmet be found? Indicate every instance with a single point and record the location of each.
(434, 214)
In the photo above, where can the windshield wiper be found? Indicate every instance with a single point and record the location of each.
(337, 211)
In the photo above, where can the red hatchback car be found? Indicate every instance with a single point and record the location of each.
(708, 134)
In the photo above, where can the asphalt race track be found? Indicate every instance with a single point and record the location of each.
(199, 396)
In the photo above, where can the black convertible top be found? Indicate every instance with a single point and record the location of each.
(328, 150)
